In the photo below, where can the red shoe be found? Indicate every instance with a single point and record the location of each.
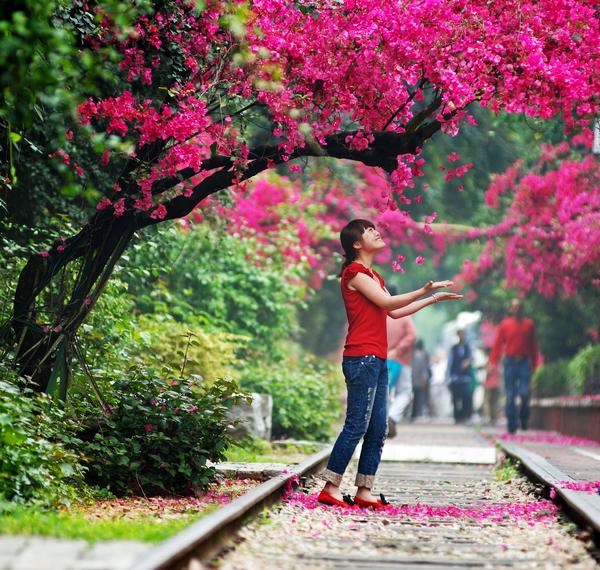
(379, 505)
(327, 499)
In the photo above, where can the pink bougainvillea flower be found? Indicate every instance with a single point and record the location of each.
(420, 260)
(584, 486)
(149, 428)
(104, 203)
(535, 512)
(159, 213)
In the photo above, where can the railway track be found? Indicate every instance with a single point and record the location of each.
(202, 540)
(454, 533)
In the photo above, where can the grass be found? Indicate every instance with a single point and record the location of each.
(23, 520)
(136, 518)
(506, 470)
(131, 518)
(251, 450)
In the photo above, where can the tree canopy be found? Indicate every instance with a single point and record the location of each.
(205, 96)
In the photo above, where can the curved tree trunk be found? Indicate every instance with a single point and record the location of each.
(44, 355)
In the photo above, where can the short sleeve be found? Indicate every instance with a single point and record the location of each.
(381, 281)
(351, 271)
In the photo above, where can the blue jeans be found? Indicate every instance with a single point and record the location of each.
(366, 416)
(517, 382)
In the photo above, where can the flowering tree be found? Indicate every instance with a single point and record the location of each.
(301, 218)
(209, 98)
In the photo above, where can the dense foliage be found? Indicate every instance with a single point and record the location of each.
(305, 394)
(35, 465)
(578, 376)
(553, 379)
(203, 276)
(584, 370)
(157, 434)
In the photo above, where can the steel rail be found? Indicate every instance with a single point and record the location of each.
(204, 539)
(583, 508)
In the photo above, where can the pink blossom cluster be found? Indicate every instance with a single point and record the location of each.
(549, 239)
(272, 209)
(549, 437)
(534, 512)
(584, 486)
(351, 67)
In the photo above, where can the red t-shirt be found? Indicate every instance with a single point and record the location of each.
(516, 337)
(367, 332)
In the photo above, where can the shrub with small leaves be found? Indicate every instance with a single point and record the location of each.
(584, 370)
(158, 434)
(552, 380)
(192, 349)
(305, 396)
(35, 466)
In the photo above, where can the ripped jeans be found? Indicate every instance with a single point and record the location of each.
(366, 416)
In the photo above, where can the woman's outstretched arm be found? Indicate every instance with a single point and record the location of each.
(373, 291)
(422, 303)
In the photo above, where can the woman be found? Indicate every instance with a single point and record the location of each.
(368, 303)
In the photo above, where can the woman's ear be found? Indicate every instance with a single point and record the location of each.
(357, 245)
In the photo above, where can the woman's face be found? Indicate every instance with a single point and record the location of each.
(371, 240)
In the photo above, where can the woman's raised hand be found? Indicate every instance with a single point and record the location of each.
(432, 285)
(446, 296)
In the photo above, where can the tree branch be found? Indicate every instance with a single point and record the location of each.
(382, 152)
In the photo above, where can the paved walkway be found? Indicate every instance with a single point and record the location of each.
(39, 553)
(448, 514)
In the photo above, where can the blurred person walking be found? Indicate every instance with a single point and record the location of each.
(492, 393)
(440, 403)
(401, 336)
(420, 376)
(517, 342)
(459, 375)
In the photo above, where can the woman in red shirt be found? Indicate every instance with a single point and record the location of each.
(368, 304)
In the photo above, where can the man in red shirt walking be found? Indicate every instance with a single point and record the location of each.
(516, 340)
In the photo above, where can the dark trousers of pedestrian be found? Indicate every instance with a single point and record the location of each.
(517, 383)
(419, 401)
(461, 401)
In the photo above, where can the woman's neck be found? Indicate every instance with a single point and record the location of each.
(366, 259)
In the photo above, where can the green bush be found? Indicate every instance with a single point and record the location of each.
(204, 273)
(552, 380)
(210, 354)
(35, 467)
(305, 396)
(158, 434)
(585, 370)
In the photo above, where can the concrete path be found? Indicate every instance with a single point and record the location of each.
(440, 443)
(39, 553)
